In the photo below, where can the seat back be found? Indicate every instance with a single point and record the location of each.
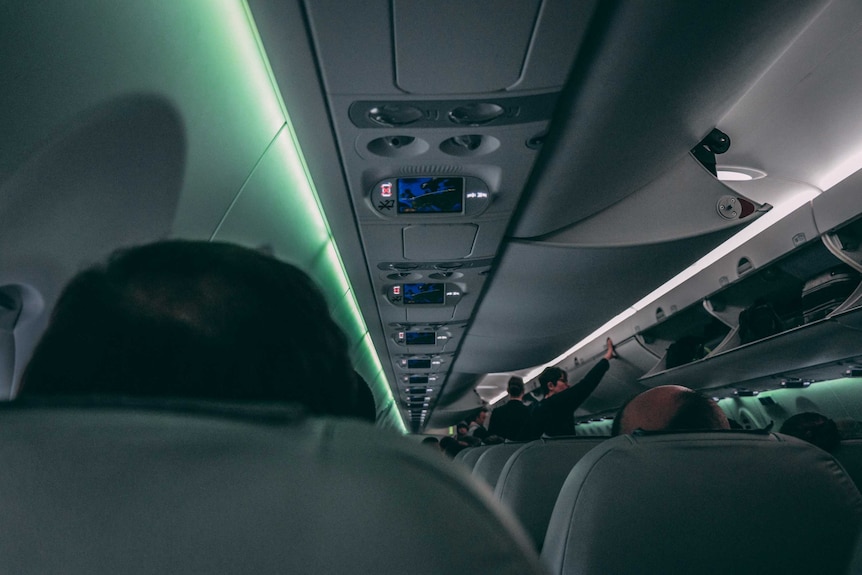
(849, 454)
(714, 502)
(138, 489)
(532, 477)
(468, 456)
(491, 462)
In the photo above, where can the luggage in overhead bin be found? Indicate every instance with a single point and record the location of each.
(758, 321)
(826, 291)
(685, 350)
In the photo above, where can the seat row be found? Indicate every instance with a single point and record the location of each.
(172, 486)
(665, 503)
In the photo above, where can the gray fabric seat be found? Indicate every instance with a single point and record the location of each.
(849, 454)
(491, 462)
(712, 502)
(209, 488)
(468, 457)
(532, 477)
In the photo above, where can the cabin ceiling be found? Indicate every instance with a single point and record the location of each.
(571, 122)
(595, 199)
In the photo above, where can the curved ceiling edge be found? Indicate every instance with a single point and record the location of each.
(684, 202)
(646, 54)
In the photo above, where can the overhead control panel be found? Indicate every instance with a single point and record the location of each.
(430, 196)
(426, 294)
(422, 339)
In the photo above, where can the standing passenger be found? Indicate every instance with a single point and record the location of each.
(509, 421)
(555, 415)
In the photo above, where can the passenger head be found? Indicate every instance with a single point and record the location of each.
(481, 416)
(553, 380)
(813, 428)
(366, 407)
(669, 407)
(193, 319)
(515, 387)
(431, 442)
(450, 446)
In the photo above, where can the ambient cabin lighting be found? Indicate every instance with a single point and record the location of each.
(248, 41)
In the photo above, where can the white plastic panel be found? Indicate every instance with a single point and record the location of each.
(680, 203)
(839, 204)
(273, 211)
(429, 38)
(439, 242)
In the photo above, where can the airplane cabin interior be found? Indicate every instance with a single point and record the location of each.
(482, 190)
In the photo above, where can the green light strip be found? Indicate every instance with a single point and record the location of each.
(306, 186)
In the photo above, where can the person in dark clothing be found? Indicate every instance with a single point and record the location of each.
(510, 420)
(813, 428)
(197, 320)
(555, 414)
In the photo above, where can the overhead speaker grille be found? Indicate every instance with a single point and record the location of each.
(431, 169)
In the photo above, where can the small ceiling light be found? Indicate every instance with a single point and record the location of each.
(738, 174)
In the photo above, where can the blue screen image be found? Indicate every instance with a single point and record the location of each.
(424, 293)
(420, 338)
(430, 195)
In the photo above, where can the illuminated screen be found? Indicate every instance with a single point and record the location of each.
(420, 338)
(424, 293)
(430, 195)
(418, 364)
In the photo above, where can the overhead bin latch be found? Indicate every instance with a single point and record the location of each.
(734, 207)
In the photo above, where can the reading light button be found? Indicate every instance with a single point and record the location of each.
(395, 114)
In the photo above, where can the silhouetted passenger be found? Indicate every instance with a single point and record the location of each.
(463, 437)
(510, 420)
(194, 319)
(814, 428)
(451, 446)
(366, 407)
(669, 407)
(477, 425)
(554, 415)
(849, 428)
(431, 442)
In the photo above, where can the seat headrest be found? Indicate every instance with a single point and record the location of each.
(713, 502)
(533, 476)
(154, 489)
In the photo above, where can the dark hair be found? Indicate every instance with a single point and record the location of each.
(450, 446)
(695, 411)
(478, 413)
(515, 386)
(198, 320)
(814, 428)
(551, 375)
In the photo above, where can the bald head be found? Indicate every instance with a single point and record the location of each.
(669, 407)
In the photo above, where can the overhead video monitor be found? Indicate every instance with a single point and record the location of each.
(424, 293)
(430, 195)
(418, 364)
(420, 337)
